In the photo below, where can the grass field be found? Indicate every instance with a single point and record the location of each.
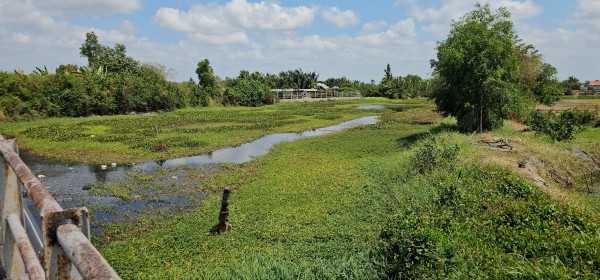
(128, 139)
(390, 200)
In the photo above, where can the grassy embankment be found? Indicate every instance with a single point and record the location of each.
(351, 205)
(354, 205)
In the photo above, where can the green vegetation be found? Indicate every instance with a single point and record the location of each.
(184, 132)
(477, 68)
(411, 86)
(473, 219)
(409, 197)
(485, 74)
(339, 206)
(560, 126)
(112, 83)
(240, 92)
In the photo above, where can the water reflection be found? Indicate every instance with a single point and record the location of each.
(63, 174)
(396, 108)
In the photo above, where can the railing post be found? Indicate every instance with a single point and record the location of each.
(68, 253)
(11, 204)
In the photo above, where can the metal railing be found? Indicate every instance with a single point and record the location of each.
(61, 249)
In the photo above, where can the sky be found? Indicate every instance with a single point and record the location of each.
(335, 38)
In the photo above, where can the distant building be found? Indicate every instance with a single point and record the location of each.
(595, 85)
(322, 85)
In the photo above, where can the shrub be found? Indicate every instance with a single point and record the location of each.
(472, 231)
(559, 126)
(513, 186)
(434, 153)
(242, 92)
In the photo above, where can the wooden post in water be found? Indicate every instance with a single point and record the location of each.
(223, 224)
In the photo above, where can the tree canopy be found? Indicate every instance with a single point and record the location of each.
(113, 60)
(477, 69)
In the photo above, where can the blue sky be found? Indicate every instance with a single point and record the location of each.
(355, 39)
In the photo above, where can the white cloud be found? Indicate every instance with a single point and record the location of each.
(88, 7)
(436, 17)
(222, 39)
(374, 26)
(268, 15)
(519, 9)
(404, 28)
(571, 51)
(312, 42)
(339, 18)
(237, 14)
(588, 12)
(35, 36)
(197, 19)
(228, 23)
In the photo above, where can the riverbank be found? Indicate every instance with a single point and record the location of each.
(351, 205)
(355, 205)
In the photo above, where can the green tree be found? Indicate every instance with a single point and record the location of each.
(571, 84)
(297, 79)
(477, 69)
(389, 86)
(388, 73)
(91, 48)
(246, 92)
(113, 60)
(548, 88)
(413, 86)
(207, 81)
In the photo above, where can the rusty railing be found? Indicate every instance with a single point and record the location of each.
(61, 249)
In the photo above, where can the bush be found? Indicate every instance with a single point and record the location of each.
(559, 126)
(515, 187)
(434, 153)
(87, 92)
(242, 92)
(487, 223)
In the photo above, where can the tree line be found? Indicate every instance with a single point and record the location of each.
(114, 83)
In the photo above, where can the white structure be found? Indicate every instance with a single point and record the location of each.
(595, 85)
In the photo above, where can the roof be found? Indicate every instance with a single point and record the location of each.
(322, 85)
(594, 83)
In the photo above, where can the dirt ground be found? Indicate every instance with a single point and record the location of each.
(565, 104)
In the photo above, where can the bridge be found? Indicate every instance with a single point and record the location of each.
(58, 249)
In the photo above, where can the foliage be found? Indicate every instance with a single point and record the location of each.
(342, 82)
(477, 69)
(298, 212)
(560, 126)
(571, 84)
(112, 83)
(474, 220)
(297, 79)
(243, 92)
(434, 153)
(548, 88)
(114, 60)
(186, 132)
(537, 78)
(197, 96)
(411, 86)
(207, 81)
